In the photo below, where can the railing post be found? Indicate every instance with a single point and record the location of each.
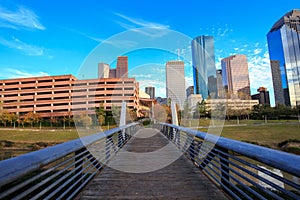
(107, 147)
(192, 150)
(120, 139)
(224, 166)
(79, 163)
(177, 137)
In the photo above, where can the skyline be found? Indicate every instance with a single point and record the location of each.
(53, 37)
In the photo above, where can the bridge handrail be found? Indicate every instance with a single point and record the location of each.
(275, 158)
(13, 168)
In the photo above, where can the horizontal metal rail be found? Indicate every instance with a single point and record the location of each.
(62, 170)
(241, 169)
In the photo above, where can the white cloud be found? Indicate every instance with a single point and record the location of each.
(141, 23)
(21, 18)
(27, 49)
(134, 24)
(8, 73)
(260, 72)
(257, 51)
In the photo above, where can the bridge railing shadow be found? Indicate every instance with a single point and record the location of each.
(242, 170)
(61, 171)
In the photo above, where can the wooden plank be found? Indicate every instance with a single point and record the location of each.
(179, 180)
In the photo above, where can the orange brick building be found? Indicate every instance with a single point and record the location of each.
(55, 96)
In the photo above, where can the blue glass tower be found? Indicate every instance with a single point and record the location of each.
(284, 49)
(204, 69)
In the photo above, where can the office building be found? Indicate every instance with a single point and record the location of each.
(193, 100)
(220, 87)
(112, 73)
(284, 47)
(122, 67)
(103, 70)
(263, 96)
(232, 104)
(204, 69)
(175, 82)
(277, 83)
(189, 91)
(235, 76)
(151, 91)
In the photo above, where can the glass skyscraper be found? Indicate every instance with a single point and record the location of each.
(284, 47)
(204, 69)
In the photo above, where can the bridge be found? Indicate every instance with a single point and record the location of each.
(161, 161)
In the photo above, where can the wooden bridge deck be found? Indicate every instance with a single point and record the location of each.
(179, 180)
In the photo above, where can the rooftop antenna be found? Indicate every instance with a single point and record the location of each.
(178, 54)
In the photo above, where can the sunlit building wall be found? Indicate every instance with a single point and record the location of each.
(284, 47)
(204, 69)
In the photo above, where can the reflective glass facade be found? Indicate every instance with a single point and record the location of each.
(204, 69)
(284, 47)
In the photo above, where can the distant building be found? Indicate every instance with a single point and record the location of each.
(277, 83)
(151, 91)
(162, 101)
(112, 73)
(204, 69)
(192, 101)
(235, 76)
(284, 47)
(220, 87)
(121, 71)
(122, 67)
(65, 95)
(103, 70)
(175, 82)
(189, 91)
(263, 96)
(233, 104)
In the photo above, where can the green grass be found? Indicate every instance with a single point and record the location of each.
(206, 122)
(265, 135)
(32, 136)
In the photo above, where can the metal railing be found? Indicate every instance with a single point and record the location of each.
(242, 170)
(61, 171)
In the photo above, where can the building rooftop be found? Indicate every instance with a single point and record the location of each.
(290, 19)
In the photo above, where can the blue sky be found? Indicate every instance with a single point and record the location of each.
(52, 37)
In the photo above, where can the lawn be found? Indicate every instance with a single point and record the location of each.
(265, 135)
(32, 136)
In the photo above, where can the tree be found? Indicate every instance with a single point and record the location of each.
(28, 118)
(4, 117)
(32, 118)
(116, 112)
(83, 120)
(201, 110)
(53, 120)
(186, 113)
(101, 115)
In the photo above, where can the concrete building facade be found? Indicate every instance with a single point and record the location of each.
(263, 96)
(53, 96)
(175, 82)
(103, 70)
(151, 91)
